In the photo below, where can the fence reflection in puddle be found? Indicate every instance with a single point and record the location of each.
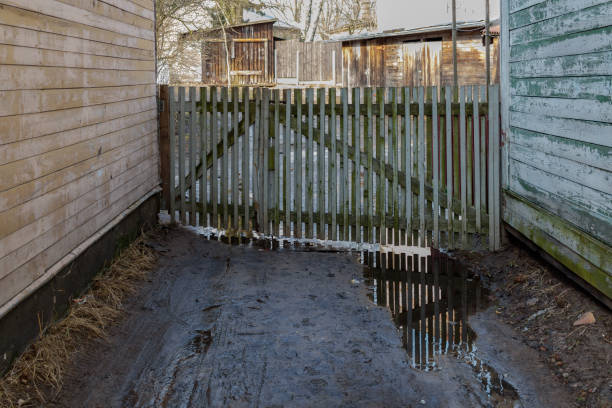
(429, 298)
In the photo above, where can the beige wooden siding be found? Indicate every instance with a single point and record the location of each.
(78, 126)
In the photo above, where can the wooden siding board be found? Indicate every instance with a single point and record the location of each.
(597, 40)
(55, 8)
(597, 88)
(591, 64)
(50, 41)
(598, 133)
(104, 9)
(581, 20)
(549, 9)
(580, 109)
(517, 5)
(25, 19)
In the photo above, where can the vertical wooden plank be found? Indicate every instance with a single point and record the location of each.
(369, 203)
(203, 153)
(333, 169)
(298, 163)
(257, 163)
(164, 145)
(476, 121)
(345, 168)
(265, 139)
(246, 164)
(287, 177)
(496, 164)
(380, 155)
(193, 120)
(321, 165)
(214, 192)
(172, 170)
(181, 146)
(356, 205)
(449, 167)
(491, 171)
(469, 148)
(436, 169)
(408, 164)
(463, 169)
(310, 163)
(276, 202)
(235, 157)
(224, 157)
(421, 167)
(483, 151)
(394, 157)
(415, 165)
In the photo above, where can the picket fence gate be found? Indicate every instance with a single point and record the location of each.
(330, 164)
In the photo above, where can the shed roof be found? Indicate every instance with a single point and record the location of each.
(247, 23)
(461, 26)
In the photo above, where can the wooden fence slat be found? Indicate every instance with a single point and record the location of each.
(333, 168)
(483, 151)
(449, 168)
(356, 190)
(476, 121)
(436, 169)
(181, 147)
(203, 153)
(277, 186)
(496, 166)
(408, 164)
(345, 167)
(298, 164)
(321, 166)
(490, 171)
(394, 150)
(369, 182)
(193, 120)
(415, 166)
(463, 169)
(172, 131)
(265, 164)
(287, 177)
(421, 167)
(224, 158)
(234, 182)
(246, 163)
(380, 155)
(310, 163)
(215, 170)
(469, 146)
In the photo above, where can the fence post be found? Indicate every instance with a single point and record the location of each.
(164, 144)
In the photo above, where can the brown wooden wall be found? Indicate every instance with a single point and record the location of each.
(414, 61)
(245, 56)
(316, 61)
(78, 127)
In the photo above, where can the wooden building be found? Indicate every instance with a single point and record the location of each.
(417, 57)
(557, 118)
(78, 148)
(251, 53)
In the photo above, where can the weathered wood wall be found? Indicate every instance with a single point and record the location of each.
(558, 119)
(78, 127)
(412, 60)
(317, 61)
(251, 63)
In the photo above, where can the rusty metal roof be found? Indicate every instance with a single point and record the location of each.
(461, 26)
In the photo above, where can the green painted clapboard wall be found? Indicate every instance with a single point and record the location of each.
(557, 161)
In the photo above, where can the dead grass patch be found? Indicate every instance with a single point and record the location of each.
(37, 374)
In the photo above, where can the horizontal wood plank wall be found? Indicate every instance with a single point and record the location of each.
(559, 124)
(78, 126)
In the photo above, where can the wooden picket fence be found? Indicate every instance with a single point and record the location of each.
(325, 163)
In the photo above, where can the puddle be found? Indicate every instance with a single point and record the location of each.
(430, 299)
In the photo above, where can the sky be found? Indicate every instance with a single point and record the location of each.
(392, 14)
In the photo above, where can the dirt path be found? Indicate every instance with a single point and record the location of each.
(220, 325)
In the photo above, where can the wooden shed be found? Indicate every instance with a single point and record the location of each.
(557, 118)
(417, 57)
(78, 150)
(251, 53)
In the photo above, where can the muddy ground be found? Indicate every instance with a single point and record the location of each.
(540, 305)
(220, 325)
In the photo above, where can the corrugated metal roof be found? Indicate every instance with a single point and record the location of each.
(461, 26)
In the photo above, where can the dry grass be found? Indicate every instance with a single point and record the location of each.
(38, 373)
